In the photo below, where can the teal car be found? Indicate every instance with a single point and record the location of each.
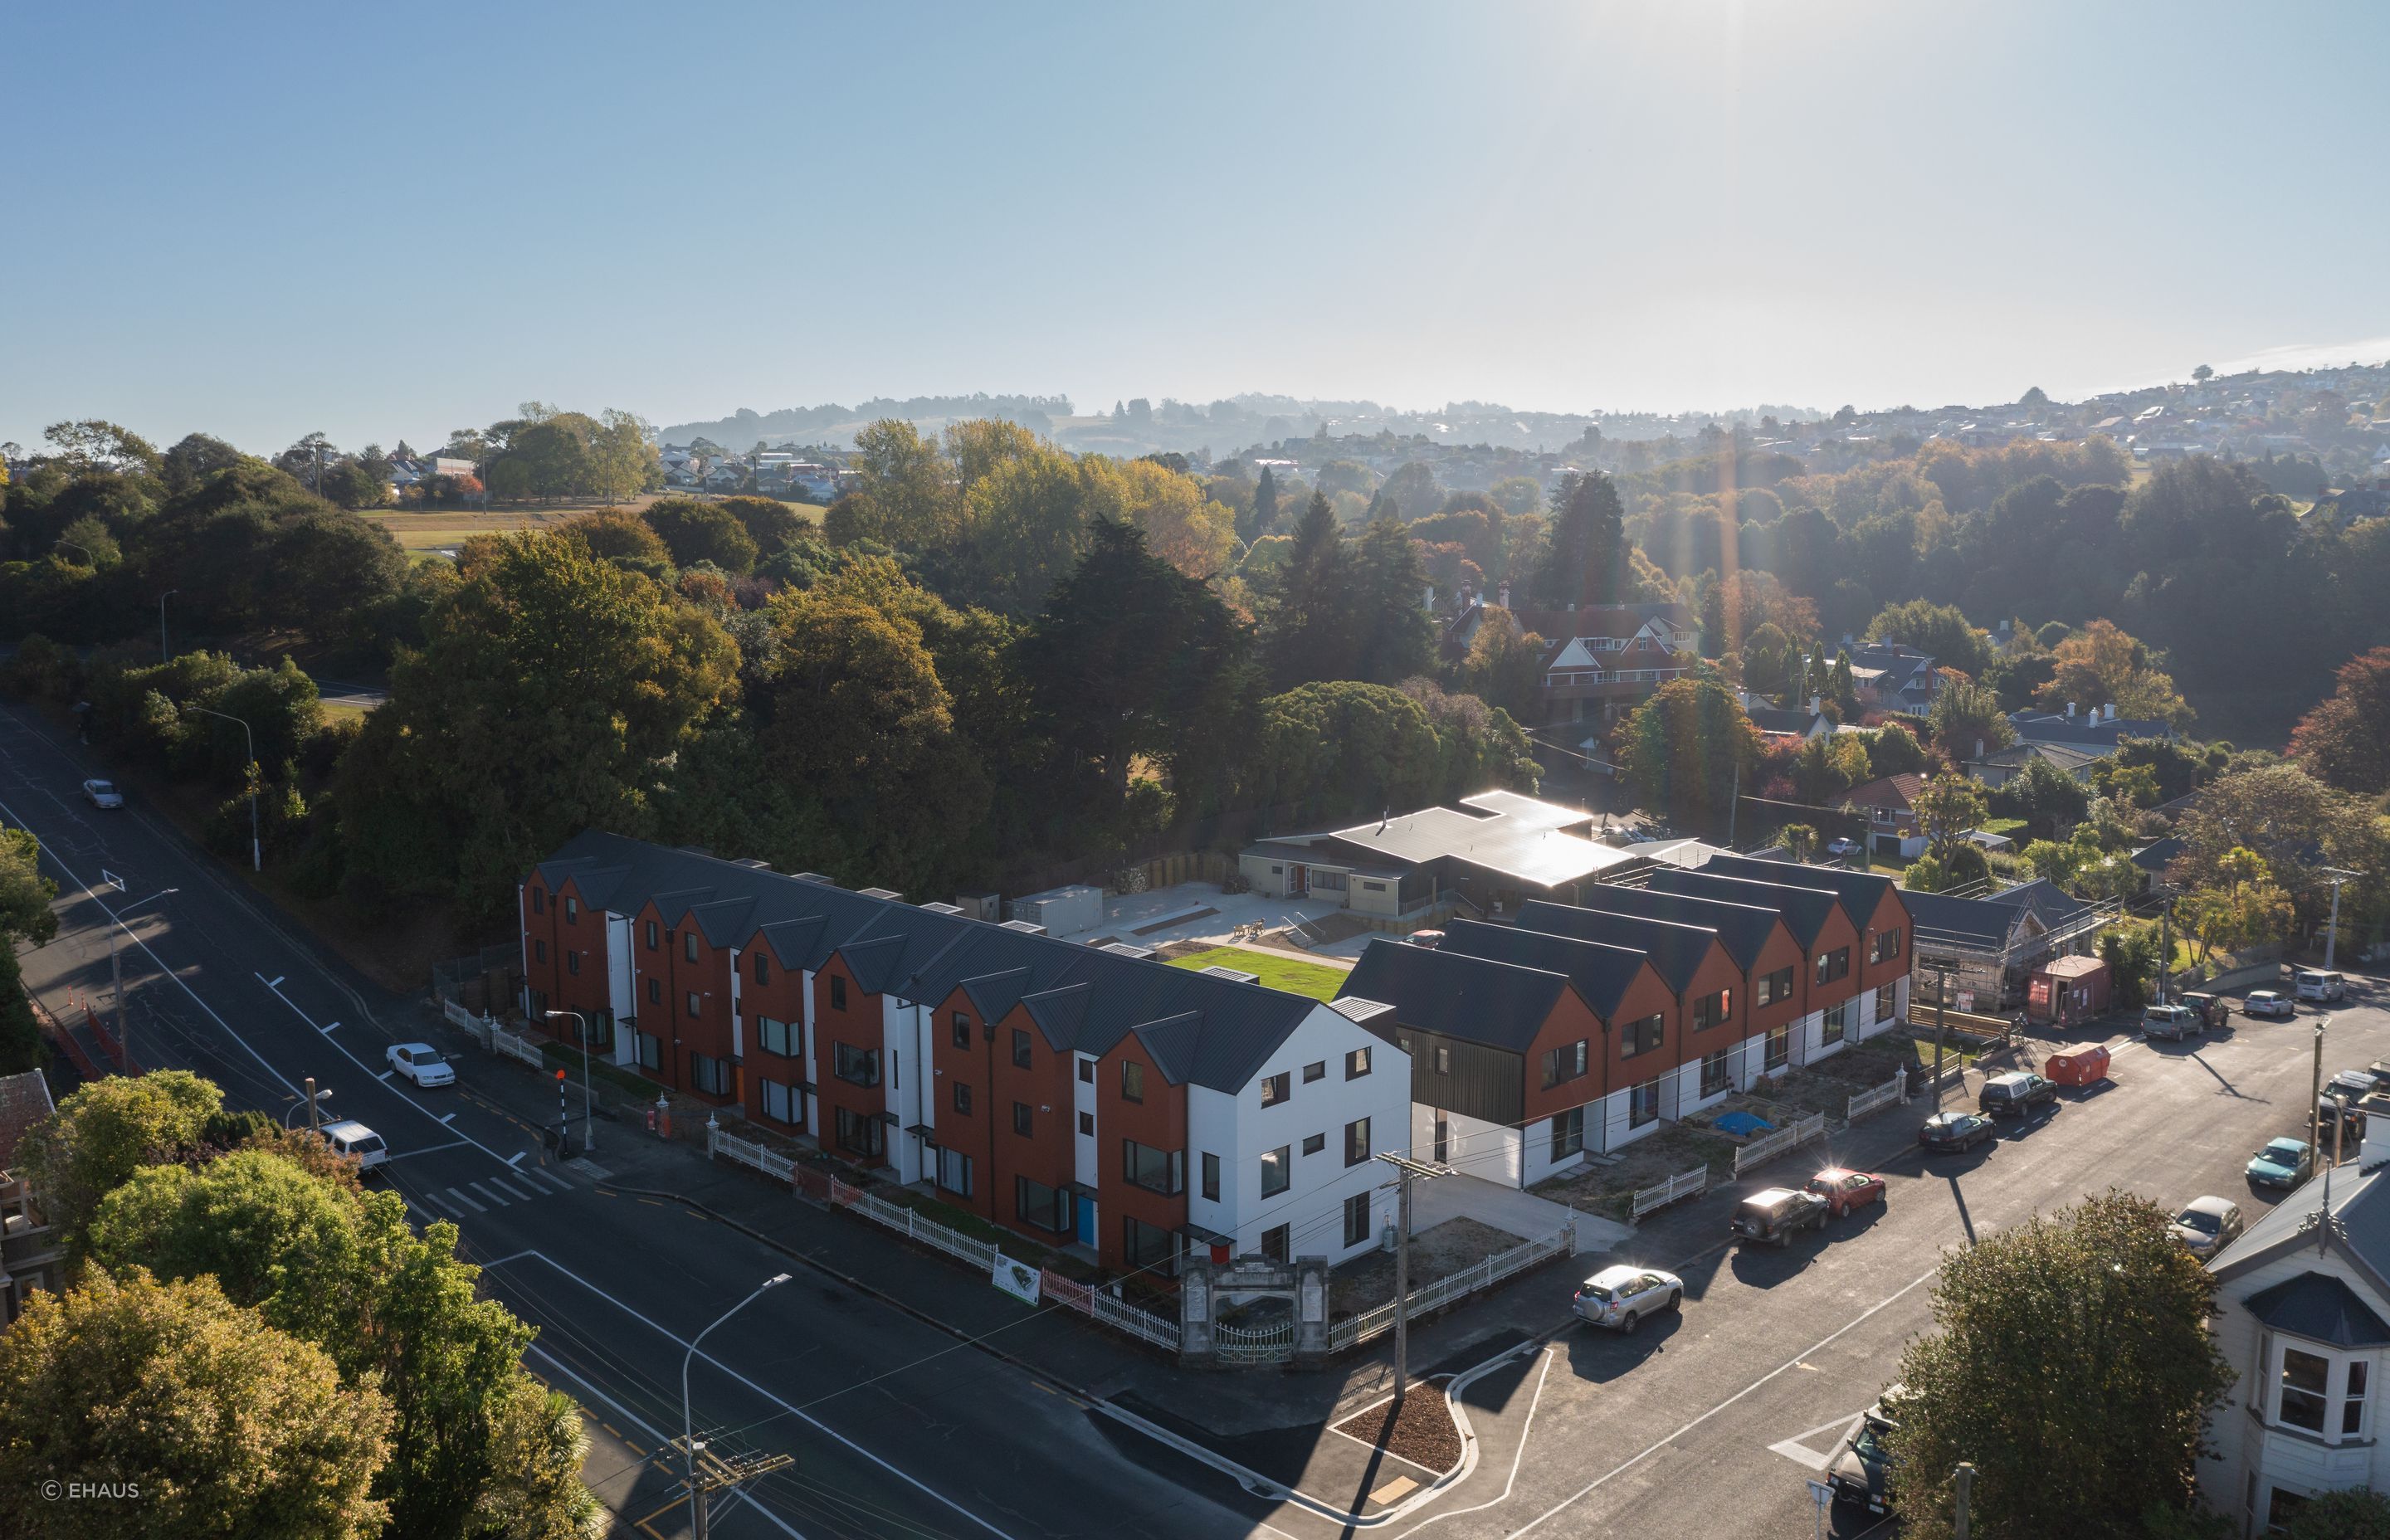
(2284, 1163)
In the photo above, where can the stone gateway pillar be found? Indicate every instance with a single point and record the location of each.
(1196, 1349)
(1311, 1313)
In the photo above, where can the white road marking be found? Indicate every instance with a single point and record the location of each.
(275, 982)
(447, 1117)
(788, 1406)
(485, 1192)
(454, 1212)
(328, 1028)
(515, 1187)
(1798, 1451)
(452, 1144)
(1517, 1456)
(1646, 1453)
(385, 1074)
(467, 1201)
(516, 1158)
(552, 1178)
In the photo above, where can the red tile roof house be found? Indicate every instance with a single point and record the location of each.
(1072, 1094)
(1890, 806)
(1600, 661)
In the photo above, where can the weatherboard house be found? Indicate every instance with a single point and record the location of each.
(2303, 1317)
(1076, 1093)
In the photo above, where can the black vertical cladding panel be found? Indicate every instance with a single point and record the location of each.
(1488, 1083)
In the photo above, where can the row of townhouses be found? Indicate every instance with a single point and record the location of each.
(1092, 1095)
(1584, 1027)
(1070, 1092)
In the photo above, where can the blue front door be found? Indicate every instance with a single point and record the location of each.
(1087, 1221)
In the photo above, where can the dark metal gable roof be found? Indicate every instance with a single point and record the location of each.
(1860, 892)
(1743, 927)
(1805, 910)
(1081, 997)
(1476, 999)
(1602, 972)
(1676, 951)
(2321, 1308)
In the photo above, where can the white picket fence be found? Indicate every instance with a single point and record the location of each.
(822, 1186)
(1684, 1183)
(1097, 1306)
(512, 1047)
(1881, 1096)
(1765, 1148)
(1356, 1330)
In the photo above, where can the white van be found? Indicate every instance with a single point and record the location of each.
(357, 1142)
(2316, 984)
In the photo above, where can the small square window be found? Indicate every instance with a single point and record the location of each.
(961, 1028)
(962, 1099)
(1024, 1118)
(1132, 1080)
(695, 1006)
(1020, 1048)
(1314, 1143)
(1088, 1072)
(1356, 1063)
(1315, 1071)
(836, 993)
(1276, 1088)
(1087, 1124)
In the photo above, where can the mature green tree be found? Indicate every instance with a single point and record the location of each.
(1411, 488)
(2297, 825)
(545, 459)
(1682, 749)
(863, 726)
(2101, 665)
(108, 1129)
(1343, 750)
(620, 535)
(1308, 632)
(1263, 518)
(550, 687)
(773, 525)
(343, 1269)
(909, 497)
(2346, 741)
(194, 457)
(1893, 749)
(696, 531)
(1965, 721)
(1131, 658)
(2085, 1330)
(21, 1036)
(2357, 1513)
(1505, 665)
(2048, 799)
(1028, 521)
(1800, 840)
(1396, 637)
(224, 1425)
(622, 459)
(1936, 629)
(1947, 806)
(25, 894)
(1585, 559)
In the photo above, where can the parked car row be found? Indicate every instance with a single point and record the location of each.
(1776, 1216)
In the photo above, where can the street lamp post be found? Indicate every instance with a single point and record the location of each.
(589, 1125)
(313, 1106)
(165, 653)
(688, 1445)
(116, 971)
(256, 850)
(2332, 931)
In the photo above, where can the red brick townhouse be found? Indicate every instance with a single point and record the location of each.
(1073, 1094)
(1582, 1095)
(1878, 917)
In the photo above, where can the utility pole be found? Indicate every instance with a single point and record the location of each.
(314, 1109)
(2165, 945)
(709, 1473)
(1941, 967)
(2315, 1091)
(2332, 932)
(689, 1444)
(1407, 1170)
(165, 653)
(1966, 1474)
(115, 969)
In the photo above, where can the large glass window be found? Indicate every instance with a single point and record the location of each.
(1773, 987)
(2303, 1379)
(1211, 1178)
(1713, 1075)
(861, 1133)
(1644, 1036)
(783, 1103)
(1278, 1170)
(1713, 1008)
(856, 1066)
(1643, 1104)
(955, 1170)
(708, 1074)
(1275, 1241)
(1565, 1062)
(1132, 1080)
(1356, 1219)
(1886, 1002)
(958, 1031)
(836, 993)
(1780, 1048)
(1145, 1246)
(1036, 1203)
(1568, 1134)
(2352, 1406)
(1841, 1023)
(1887, 945)
(1162, 1170)
(1834, 965)
(1356, 1063)
(1276, 1088)
(1020, 1048)
(777, 1036)
(1357, 1141)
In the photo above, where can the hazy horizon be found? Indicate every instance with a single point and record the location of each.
(389, 226)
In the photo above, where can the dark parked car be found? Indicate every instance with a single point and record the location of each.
(1859, 1467)
(2014, 1092)
(2214, 1009)
(1777, 1214)
(2328, 1112)
(1961, 1131)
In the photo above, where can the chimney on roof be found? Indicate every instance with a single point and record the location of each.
(1816, 704)
(1430, 597)
(1847, 638)
(2070, 710)
(2108, 711)
(1504, 594)
(1979, 748)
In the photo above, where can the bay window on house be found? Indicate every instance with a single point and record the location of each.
(856, 1066)
(861, 1133)
(780, 1037)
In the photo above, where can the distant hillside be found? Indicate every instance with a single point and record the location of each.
(831, 423)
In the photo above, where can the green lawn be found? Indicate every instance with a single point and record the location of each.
(1291, 974)
(2010, 827)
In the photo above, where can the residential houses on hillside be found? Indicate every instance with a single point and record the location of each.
(1070, 1093)
(2097, 728)
(1599, 661)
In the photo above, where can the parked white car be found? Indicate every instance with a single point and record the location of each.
(421, 1063)
(2268, 1003)
(2314, 984)
(357, 1142)
(99, 794)
(1620, 1297)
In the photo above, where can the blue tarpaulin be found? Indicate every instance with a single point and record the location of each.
(1743, 1124)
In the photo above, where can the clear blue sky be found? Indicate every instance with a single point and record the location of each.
(388, 221)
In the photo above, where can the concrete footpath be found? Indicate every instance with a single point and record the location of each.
(1268, 1429)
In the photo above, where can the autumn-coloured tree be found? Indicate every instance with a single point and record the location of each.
(2102, 665)
(2346, 741)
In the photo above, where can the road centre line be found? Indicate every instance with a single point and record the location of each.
(791, 1408)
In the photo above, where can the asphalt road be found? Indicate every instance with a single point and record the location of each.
(1711, 1423)
(893, 1427)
